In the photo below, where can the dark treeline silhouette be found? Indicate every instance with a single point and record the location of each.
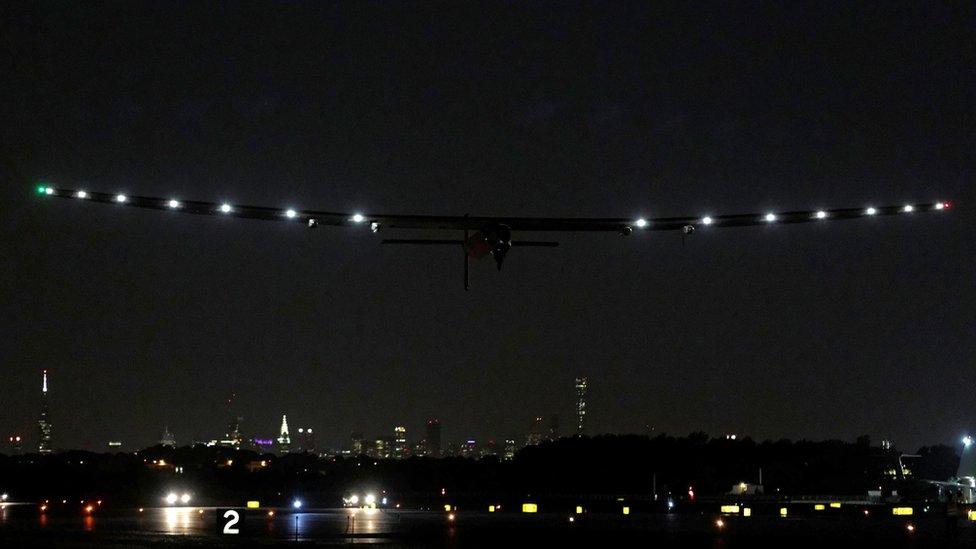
(608, 465)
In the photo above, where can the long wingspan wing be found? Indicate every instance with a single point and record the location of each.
(395, 221)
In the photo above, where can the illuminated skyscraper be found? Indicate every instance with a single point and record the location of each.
(535, 432)
(434, 438)
(580, 406)
(358, 446)
(400, 448)
(44, 422)
(284, 440)
(306, 440)
(168, 438)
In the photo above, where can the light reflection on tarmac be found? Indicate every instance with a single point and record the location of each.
(26, 526)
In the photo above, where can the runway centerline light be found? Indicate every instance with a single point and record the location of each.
(225, 208)
(871, 211)
(820, 214)
(290, 214)
(120, 198)
(173, 204)
(641, 223)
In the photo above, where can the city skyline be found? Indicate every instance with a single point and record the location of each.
(396, 443)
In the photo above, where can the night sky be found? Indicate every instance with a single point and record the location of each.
(146, 318)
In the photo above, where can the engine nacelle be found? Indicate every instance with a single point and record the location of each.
(495, 239)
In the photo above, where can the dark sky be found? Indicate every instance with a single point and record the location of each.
(148, 318)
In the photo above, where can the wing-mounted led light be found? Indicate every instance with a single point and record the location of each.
(173, 204)
(357, 218)
(81, 194)
(820, 214)
(770, 217)
(290, 214)
(871, 211)
(121, 198)
(641, 223)
(226, 208)
(706, 220)
(908, 208)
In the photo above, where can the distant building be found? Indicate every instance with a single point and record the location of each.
(400, 447)
(434, 438)
(306, 440)
(263, 445)
(535, 432)
(358, 446)
(554, 427)
(382, 448)
(44, 421)
(284, 439)
(168, 439)
(469, 448)
(580, 406)
(233, 436)
(488, 449)
(508, 452)
(16, 444)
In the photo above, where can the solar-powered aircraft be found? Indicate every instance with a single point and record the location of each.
(480, 236)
